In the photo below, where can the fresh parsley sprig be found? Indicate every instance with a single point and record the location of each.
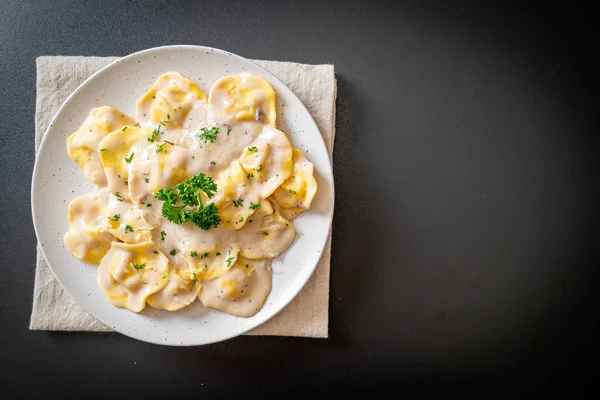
(188, 193)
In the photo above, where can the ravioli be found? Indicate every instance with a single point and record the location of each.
(297, 192)
(126, 221)
(159, 166)
(87, 238)
(234, 197)
(175, 106)
(83, 146)
(267, 234)
(242, 290)
(181, 289)
(118, 150)
(195, 199)
(243, 97)
(268, 162)
(129, 273)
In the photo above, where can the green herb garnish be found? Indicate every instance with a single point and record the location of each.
(116, 217)
(254, 206)
(238, 202)
(155, 134)
(188, 193)
(209, 135)
(137, 266)
(128, 228)
(128, 159)
(252, 149)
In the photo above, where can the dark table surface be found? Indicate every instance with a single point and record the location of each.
(463, 251)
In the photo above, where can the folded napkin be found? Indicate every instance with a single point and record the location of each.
(307, 315)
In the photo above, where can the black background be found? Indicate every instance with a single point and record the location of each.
(464, 258)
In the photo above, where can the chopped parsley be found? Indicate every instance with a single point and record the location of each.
(238, 202)
(155, 134)
(147, 180)
(228, 131)
(193, 254)
(116, 217)
(148, 204)
(259, 169)
(173, 252)
(118, 196)
(128, 228)
(204, 255)
(254, 206)
(195, 276)
(209, 135)
(246, 265)
(292, 191)
(128, 159)
(250, 176)
(266, 233)
(155, 251)
(162, 235)
(165, 277)
(252, 149)
(213, 163)
(218, 254)
(229, 261)
(137, 266)
(241, 219)
(124, 129)
(104, 148)
(159, 149)
(188, 193)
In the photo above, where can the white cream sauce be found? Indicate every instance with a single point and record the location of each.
(122, 227)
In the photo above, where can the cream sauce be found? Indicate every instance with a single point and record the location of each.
(179, 133)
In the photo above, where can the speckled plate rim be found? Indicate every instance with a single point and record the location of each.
(258, 319)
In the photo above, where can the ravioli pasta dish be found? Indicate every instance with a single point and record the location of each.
(195, 196)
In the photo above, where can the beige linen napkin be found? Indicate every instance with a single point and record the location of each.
(307, 315)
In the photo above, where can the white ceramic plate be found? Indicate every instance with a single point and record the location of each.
(57, 180)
